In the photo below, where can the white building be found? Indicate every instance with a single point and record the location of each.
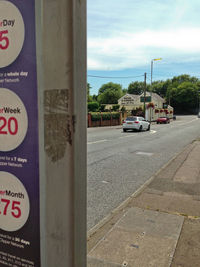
(131, 102)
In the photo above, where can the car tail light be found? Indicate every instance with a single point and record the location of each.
(136, 121)
(123, 121)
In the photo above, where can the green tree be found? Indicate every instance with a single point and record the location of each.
(111, 86)
(109, 93)
(136, 88)
(184, 97)
(94, 98)
(89, 98)
(184, 78)
(109, 97)
(124, 91)
(160, 87)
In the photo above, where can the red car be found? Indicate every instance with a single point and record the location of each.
(163, 120)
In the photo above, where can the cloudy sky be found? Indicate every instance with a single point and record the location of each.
(125, 35)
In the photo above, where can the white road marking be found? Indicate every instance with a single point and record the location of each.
(105, 182)
(144, 153)
(153, 132)
(96, 142)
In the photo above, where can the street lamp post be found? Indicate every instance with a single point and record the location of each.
(155, 59)
(198, 105)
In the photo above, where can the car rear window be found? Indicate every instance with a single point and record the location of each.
(131, 119)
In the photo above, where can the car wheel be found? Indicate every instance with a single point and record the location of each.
(124, 130)
(148, 129)
(140, 129)
(157, 122)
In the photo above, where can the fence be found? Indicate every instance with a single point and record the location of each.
(104, 119)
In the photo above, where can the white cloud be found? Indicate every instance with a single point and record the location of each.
(127, 50)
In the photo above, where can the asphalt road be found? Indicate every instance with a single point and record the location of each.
(119, 163)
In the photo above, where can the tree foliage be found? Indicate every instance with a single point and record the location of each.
(89, 97)
(109, 97)
(160, 87)
(136, 88)
(184, 96)
(184, 78)
(93, 106)
(110, 86)
(181, 92)
(109, 93)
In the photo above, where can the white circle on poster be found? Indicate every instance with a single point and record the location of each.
(12, 32)
(14, 203)
(13, 120)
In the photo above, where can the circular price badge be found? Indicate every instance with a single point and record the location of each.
(12, 33)
(13, 120)
(14, 203)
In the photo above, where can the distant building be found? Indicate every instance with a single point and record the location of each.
(154, 98)
(131, 102)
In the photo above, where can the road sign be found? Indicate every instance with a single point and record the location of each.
(19, 149)
(147, 99)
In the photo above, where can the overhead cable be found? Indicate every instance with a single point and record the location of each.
(107, 77)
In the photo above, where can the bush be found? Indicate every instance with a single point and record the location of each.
(115, 107)
(95, 116)
(123, 109)
(106, 116)
(102, 107)
(115, 115)
(93, 106)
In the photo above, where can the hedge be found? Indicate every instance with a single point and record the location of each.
(105, 116)
(115, 115)
(115, 107)
(95, 116)
(93, 106)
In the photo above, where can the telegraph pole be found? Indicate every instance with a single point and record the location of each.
(145, 86)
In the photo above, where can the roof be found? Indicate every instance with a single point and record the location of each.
(155, 95)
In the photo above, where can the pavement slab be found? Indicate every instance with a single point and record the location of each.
(188, 249)
(151, 223)
(171, 170)
(92, 262)
(190, 170)
(165, 185)
(140, 238)
(168, 203)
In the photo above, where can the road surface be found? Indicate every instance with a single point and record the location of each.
(119, 163)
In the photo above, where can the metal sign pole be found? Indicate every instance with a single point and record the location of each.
(61, 33)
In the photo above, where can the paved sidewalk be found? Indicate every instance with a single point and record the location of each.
(160, 225)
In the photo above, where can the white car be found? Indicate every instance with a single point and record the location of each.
(135, 123)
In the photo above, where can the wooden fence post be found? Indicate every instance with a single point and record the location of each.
(89, 120)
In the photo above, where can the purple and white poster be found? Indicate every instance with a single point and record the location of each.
(19, 152)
